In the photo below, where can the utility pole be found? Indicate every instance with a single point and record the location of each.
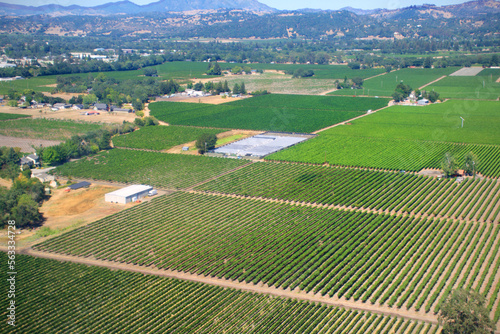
(462, 121)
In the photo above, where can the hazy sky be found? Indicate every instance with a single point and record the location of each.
(279, 4)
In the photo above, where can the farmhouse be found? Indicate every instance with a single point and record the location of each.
(128, 194)
(30, 161)
(101, 107)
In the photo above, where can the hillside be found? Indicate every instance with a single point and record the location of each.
(208, 19)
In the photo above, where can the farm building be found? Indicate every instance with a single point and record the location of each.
(79, 185)
(128, 194)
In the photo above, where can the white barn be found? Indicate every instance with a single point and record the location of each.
(128, 194)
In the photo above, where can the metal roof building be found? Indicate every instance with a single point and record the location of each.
(83, 184)
(128, 194)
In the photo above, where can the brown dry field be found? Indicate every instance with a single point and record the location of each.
(71, 115)
(214, 99)
(246, 133)
(71, 209)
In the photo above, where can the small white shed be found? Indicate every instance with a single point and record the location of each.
(128, 194)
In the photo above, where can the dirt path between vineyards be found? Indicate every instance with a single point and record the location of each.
(349, 120)
(430, 83)
(250, 287)
(333, 90)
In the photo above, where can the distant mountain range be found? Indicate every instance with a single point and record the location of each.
(130, 8)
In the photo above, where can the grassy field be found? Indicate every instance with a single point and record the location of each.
(482, 86)
(40, 128)
(7, 116)
(384, 85)
(390, 260)
(87, 297)
(274, 112)
(161, 137)
(156, 169)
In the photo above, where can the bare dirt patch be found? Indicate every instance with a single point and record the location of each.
(5, 183)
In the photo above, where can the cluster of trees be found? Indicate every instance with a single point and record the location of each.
(219, 87)
(355, 83)
(21, 201)
(113, 91)
(402, 91)
(30, 96)
(206, 142)
(80, 146)
(464, 313)
(450, 166)
(146, 121)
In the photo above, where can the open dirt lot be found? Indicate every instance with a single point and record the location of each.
(67, 210)
(244, 133)
(73, 115)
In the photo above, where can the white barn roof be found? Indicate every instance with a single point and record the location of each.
(130, 190)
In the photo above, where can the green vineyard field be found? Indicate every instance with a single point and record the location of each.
(384, 85)
(481, 86)
(274, 112)
(153, 168)
(409, 138)
(7, 116)
(437, 122)
(159, 138)
(391, 154)
(402, 193)
(391, 260)
(58, 297)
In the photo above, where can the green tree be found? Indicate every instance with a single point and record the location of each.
(26, 212)
(449, 164)
(236, 70)
(53, 155)
(464, 312)
(89, 100)
(214, 69)
(236, 88)
(428, 62)
(243, 90)
(470, 164)
(206, 142)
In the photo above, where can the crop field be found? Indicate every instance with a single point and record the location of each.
(84, 299)
(384, 85)
(391, 154)
(159, 138)
(409, 138)
(474, 87)
(320, 71)
(7, 116)
(437, 122)
(41, 128)
(157, 169)
(280, 83)
(293, 113)
(362, 189)
(38, 84)
(398, 261)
